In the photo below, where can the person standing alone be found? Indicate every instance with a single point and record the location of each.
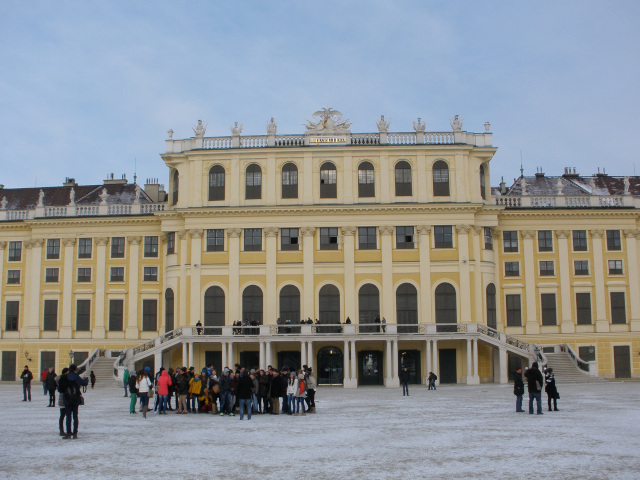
(404, 380)
(518, 388)
(26, 377)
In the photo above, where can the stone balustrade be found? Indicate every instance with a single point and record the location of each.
(81, 211)
(562, 201)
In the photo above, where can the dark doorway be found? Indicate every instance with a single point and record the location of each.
(448, 370)
(214, 358)
(370, 368)
(291, 360)
(249, 359)
(411, 360)
(622, 361)
(47, 359)
(330, 366)
(9, 367)
(514, 362)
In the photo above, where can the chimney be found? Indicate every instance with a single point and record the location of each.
(539, 172)
(503, 186)
(69, 182)
(570, 172)
(111, 180)
(154, 190)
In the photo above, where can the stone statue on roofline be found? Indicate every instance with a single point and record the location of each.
(170, 134)
(236, 129)
(3, 203)
(419, 126)
(41, 198)
(103, 196)
(272, 127)
(72, 197)
(331, 122)
(456, 123)
(199, 131)
(138, 190)
(383, 125)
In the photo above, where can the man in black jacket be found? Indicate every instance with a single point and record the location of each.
(244, 390)
(26, 377)
(518, 388)
(534, 383)
(275, 392)
(404, 380)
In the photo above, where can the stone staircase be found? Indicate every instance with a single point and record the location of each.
(565, 371)
(103, 369)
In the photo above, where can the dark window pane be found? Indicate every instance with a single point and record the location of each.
(514, 312)
(404, 238)
(12, 313)
(150, 274)
(407, 308)
(215, 240)
(83, 315)
(329, 238)
(366, 180)
(13, 277)
(581, 267)
(443, 236)
(367, 238)
(50, 315)
(579, 240)
(440, 179)
(545, 241)
(116, 315)
(403, 179)
(176, 187)
(252, 239)
(289, 181)
(548, 308)
(510, 239)
(583, 308)
(328, 181)
(547, 268)
(252, 304)
(151, 246)
(171, 243)
(117, 274)
(216, 183)
(149, 315)
(289, 239)
(618, 308)
(491, 306)
(51, 275)
(84, 247)
(511, 269)
(488, 238)
(613, 240)
(168, 310)
(253, 182)
(290, 304)
(117, 247)
(214, 310)
(15, 251)
(53, 248)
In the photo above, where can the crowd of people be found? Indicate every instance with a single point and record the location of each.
(535, 383)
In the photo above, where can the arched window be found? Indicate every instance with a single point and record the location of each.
(290, 304)
(329, 306)
(252, 304)
(176, 187)
(407, 308)
(369, 307)
(168, 310)
(289, 181)
(253, 182)
(403, 179)
(446, 311)
(366, 180)
(328, 180)
(216, 183)
(491, 306)
(483, 192)
(441, 179)
(214, 310)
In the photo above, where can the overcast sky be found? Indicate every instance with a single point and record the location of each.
(89, 88)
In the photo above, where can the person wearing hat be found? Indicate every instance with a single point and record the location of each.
(534, 384)
(550, 388)
(518, 388)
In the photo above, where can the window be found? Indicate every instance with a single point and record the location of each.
(511, 269)
(171, 243)
(329, 305)
(168, 310)
(615, 267)
(290, 304)
(547, 268)
(548, 308)
(366, 180)
(53, 248)
(545, 241)
(583, 308)
(117, 274)
(149, 315)
(289, 239)
(176, 187)
(150, 274)
(12, 311)
(613, 240)
(403, 179)
(215, 240)
(581, 267)
(252, 239)
(50, 323)
(510, 241)
(252, 304)
(579, 240)
(514, 311)
(407, 308)
(483, 188)
(446, 307)
(491, 306)
(214, 310)
(83, 315)
(367, 238)
(15, 251)
(328, 181)
(216, 183)
(588, 353)
(329, 238)
(151, 246)
(253, 189)
(84, 275)
(51, 275)
(404, 238)
(289, 181)
(488, 238)
(440, 179)
(116, 315)
(13, 277)
(618, 308)
(84, 247)
(117, 247)
(368, 307)
(443, 236)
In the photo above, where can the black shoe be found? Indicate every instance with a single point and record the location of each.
(24, 400)
(556, 410)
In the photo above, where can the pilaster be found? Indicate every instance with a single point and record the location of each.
(233, 239)
(32, 279)
(478, 289)
(602, 322)
(98, 330)
(634, 284)
(196, 260)
(348, 237)
(424, 250)
(67, 288)
(132, 329)
(463, 263)
(308, 247)
(271, 234)
(532, 326)
(181, 295)
(386, 247)
(567, 324)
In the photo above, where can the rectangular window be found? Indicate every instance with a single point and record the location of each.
(83, 315)
(53, 248)
(117, 247)
(51, 275)
(510, 241)
(579, 240)
(587, 353)
(583, 308)
(50, 323)
(13, 277)
(84, 247)
(84, 275)
(215, 240)
(252, 239)
(443, 236)
(367, 238)
(613, 240)
(289, 239)
(15, 251)
(618, 308)
(116, 315)
(117, 274)
(404, 238)
(548, 308)
(514, 311)
(150, 274)
(615, 267)
(547, 268)
(151, 246)
(581, 267)
(488, 238)
(12, 312)
(149, 315)
(511, 269)
(171, 243)
(545, 241)
(328, 238)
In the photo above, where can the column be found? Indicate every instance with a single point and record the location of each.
(634, 283)
(268, 360)
(503, 366)
(476, 374)
(435, 360)
(3, 245)
(303, 353)
(181, 295)
(191, 362)
(531, 320)
(184, 355)
(386, 176)
(235, 301)
(388, 378)
(196, 268)
(348, 237)
(386, 247)
(354, 364)
(428, 355)
(478, 236)
(394, 364)
(567, 324)
(32, 300)
(310, 362)
(230, 359)
(66, 328)
(98, 330)
(463, 263)
(263, 363)
(469, 365)
(424, 246)
(157, 361)
(271, 235)
(308, 247)
(345, 364)
(602, 322)
(132, 330)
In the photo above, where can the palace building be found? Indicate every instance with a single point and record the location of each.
(393, 248)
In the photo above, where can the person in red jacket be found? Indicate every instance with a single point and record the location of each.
(164, 382)
(43, 379)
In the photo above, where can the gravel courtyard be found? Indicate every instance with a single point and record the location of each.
(369, 433)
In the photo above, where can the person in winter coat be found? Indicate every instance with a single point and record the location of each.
(43, 379)
(225, 394)
(275, 392)
(404, 380)
(300, 395)
(550, 388)
(195, 389)
(432, 380)
(63, 411)
(125, 381)
(143, 384)
(92, 377)
(311, 391)
(205, 401)
(518, 388)
(134, 394)
(183, 390)
(51, 387)
(26, 377)
(534, 384)
(292, 385)
(164, 382)
(244, 390)
(263, 392)
(69, 383)
(255, 391)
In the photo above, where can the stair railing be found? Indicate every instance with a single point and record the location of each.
(575, 358)
(84, 366)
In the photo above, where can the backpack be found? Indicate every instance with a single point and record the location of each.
(71, 393)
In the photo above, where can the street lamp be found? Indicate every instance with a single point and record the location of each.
(71, 354)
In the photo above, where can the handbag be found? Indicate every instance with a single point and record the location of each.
(538, 386)
(150, 394)
(81, 400)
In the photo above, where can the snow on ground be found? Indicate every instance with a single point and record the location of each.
(455, 432)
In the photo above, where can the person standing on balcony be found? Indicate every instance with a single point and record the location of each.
(199, 327)
(534, 383)
(26, 377)
(404, 380)
(518, 388)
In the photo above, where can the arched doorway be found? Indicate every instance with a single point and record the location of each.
(407, 308)
(369, 308)
(330, 366)
(252, 304)
(446, 310)
(214, 310)
(329, 308)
